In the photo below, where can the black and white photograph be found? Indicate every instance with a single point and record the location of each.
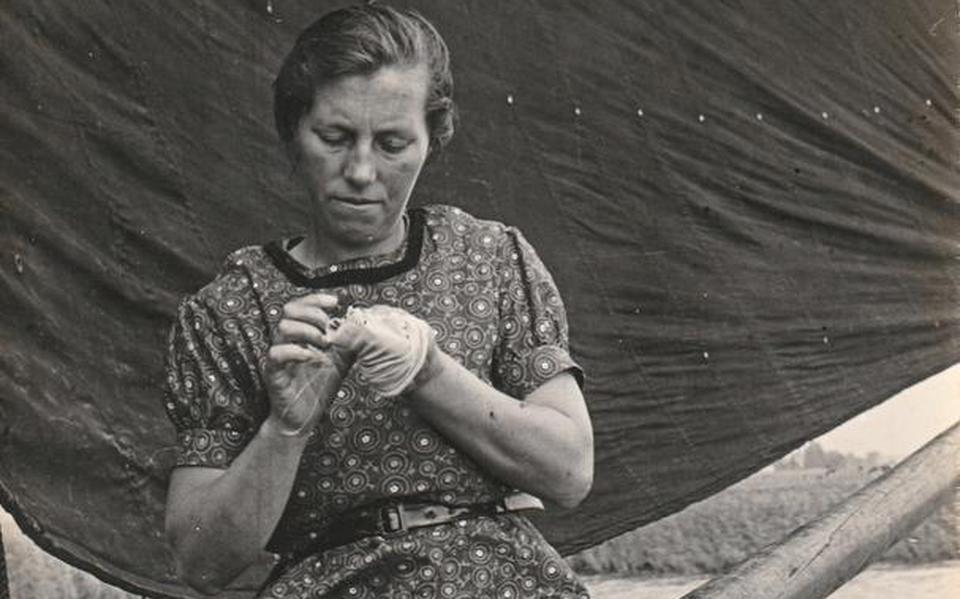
(451, 299)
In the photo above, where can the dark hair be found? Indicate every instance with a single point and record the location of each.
(358, 40)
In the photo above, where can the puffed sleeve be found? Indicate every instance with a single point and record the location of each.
(212, 388)
(533, 344)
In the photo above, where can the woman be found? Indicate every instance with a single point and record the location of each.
(369, 400)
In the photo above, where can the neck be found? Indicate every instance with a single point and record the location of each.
(320, 248)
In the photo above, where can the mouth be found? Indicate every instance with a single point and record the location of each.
(355, 200)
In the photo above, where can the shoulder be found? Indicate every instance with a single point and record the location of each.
(231, 287)
(451, 223)
(487, 245)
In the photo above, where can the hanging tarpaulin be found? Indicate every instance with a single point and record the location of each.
(750, 208)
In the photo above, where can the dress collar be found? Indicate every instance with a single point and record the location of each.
(361, 270)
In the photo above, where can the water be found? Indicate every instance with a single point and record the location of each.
(935, 581)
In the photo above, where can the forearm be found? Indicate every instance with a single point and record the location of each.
(219, 521)
(218, 526)
(533, 447)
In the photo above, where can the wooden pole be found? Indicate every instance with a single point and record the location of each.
(817, 558)
(4, 589)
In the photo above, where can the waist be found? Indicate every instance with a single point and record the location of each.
(392, 519)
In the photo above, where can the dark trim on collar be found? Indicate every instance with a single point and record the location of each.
(411, 257)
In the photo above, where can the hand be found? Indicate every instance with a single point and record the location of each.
(390, 345)
(303, 370)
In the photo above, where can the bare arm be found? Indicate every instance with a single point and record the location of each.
(543, 444)
(219, 521)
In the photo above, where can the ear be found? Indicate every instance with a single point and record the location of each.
(433, 148)
(292, 152)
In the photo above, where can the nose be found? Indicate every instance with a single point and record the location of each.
(359, 169)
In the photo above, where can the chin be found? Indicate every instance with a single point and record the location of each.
(360, 235)
(357, 228)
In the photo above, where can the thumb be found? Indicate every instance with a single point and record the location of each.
(347, 336)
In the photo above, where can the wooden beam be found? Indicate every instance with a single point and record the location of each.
(4, 589)
(822, 555)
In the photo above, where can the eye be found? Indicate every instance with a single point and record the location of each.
(394, 144)
(332, 137)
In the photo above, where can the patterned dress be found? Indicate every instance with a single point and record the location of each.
(494, 308)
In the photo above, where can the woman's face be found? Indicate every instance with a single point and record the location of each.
(359, 151)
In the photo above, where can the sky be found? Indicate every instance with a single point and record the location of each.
(903, 423)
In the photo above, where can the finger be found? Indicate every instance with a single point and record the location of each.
(299, 332)
(324, 301)
(346, 334)
(288, 352)
(307, 313)
(383, 310)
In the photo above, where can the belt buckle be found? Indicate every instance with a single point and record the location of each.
(391, 519)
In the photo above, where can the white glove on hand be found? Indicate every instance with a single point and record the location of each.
(392, 345)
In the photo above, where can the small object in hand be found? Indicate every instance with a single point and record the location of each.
(399, 350)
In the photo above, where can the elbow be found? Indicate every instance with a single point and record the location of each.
(575, 483)
(200, 579)
(572, 486)
(203, 587)
(199, 575)
(575, 490)
(195, 567)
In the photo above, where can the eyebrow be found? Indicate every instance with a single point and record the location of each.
(336, 117)
(344, 125)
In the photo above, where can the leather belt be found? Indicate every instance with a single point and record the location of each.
(406, 516)
(394, 518)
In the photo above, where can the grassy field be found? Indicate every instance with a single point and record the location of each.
(716, 534)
